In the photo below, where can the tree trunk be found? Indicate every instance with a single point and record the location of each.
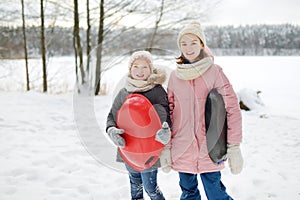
(99, 49)
(88, 33)
(25, 46)
(43, 48)
(77, 44)
(75, 52)
(156, 26)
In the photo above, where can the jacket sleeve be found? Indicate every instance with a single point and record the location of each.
(117, 103)
(170, 92)
(234, 117)
(159, 99)
(163, 100)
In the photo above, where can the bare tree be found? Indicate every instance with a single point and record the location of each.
(170, 14)
(77, 43)
(88, 36)
(156, 25)
(25, 45)
(110, 15)
(161, 15)
(99, 49)
(43, 47)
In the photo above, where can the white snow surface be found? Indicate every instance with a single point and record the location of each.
(53, 146)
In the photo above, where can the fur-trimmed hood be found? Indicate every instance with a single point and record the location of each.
(159, 76)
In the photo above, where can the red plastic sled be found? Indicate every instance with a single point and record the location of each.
(140, 122)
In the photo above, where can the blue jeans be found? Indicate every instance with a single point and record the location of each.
(214, 188)
(146, 179)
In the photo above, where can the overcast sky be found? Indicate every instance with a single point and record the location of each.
(257, 12)
(232, 12)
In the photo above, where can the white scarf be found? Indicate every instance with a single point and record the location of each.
(133, 85)
(157, 77)
(193, 70)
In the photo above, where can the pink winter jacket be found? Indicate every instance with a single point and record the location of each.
(187, 105)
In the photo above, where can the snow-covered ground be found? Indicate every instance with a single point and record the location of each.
(53, 146)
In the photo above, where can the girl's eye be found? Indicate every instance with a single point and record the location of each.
(183, 44)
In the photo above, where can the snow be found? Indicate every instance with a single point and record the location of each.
(53, 146)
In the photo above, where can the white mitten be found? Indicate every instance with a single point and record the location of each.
(235, 159)
(114, 134)
(163, 135)
(165, 160)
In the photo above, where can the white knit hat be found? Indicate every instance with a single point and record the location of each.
(194, 28)
(141, 54)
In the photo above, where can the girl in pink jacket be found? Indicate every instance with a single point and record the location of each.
(189, 85)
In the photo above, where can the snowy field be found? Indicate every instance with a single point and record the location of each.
(53, 145)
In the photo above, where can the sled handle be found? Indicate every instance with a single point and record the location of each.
(150, 161)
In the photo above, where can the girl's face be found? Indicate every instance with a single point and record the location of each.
(140, 69)
(190, 46)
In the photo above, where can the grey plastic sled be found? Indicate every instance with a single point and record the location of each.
(216, 127)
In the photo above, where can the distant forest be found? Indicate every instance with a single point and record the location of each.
(259, 40)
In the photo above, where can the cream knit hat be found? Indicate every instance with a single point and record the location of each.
(141, 54)
(195, 28)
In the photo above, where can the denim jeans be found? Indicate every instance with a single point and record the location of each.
(213, 187)
(147, 180)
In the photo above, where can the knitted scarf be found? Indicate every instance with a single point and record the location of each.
(193, 70)
(157, 77)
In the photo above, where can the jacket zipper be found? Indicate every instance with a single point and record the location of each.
(194, 117)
